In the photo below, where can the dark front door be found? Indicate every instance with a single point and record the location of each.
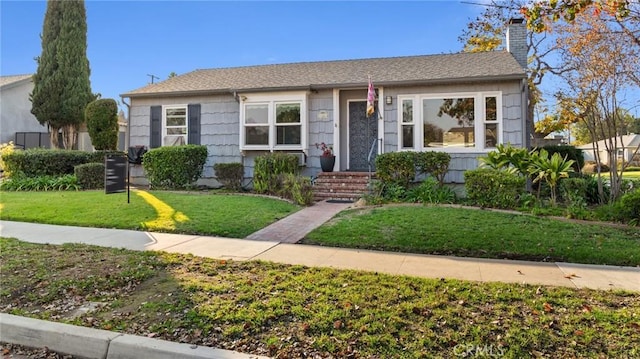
(363, 133)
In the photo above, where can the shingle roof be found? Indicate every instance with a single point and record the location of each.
(344, 73)
(8, 80)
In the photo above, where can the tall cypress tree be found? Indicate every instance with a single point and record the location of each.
(61, 84)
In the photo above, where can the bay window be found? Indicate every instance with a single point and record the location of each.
(272, 122)
(450, 122)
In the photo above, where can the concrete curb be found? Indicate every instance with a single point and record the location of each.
(100, 344)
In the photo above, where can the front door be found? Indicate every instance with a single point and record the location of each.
(363, 133)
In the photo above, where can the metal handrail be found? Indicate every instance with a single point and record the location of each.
(373, 144)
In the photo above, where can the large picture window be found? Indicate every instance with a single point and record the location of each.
(450, 122)
(272, 122)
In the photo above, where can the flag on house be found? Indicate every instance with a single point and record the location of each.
(371, 99)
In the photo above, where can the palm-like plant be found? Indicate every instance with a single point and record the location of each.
(550, 170)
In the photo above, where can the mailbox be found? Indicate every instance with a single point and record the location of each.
(135, 154)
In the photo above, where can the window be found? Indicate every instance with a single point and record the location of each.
(174, 126)
(407, 124)
(455, 122)
(272, 122)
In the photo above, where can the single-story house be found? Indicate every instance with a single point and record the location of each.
(462, 103)
(15, 113)
(626, 148)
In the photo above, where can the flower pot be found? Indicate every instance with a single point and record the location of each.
(327, 163)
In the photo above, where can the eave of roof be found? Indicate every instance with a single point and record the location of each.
(12, 80)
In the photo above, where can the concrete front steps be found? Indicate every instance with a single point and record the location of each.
(344, 186)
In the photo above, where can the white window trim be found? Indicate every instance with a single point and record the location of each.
(479, 121)
(271, 100)
(164, 122)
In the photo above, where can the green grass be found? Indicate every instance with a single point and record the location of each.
(294, 311)
(234, 216)
(479, 233)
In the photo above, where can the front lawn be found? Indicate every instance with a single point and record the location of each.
(479, 233)
(234, 216)
(299, 312)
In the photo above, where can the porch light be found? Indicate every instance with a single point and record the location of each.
(388, 100)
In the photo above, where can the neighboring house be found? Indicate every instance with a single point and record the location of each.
(464, 104)
(626, 148)
(15, 112)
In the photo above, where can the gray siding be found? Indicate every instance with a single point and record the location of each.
(220, 127)
(219, 131)
(16, 111)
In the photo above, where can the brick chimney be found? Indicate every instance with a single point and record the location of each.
(517, 40)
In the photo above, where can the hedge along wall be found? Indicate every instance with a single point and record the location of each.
(43, 162)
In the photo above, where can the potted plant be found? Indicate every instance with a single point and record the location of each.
(327, 158)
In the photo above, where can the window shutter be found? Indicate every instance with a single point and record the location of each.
(194, 124)
(156, 127)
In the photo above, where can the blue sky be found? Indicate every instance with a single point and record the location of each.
(127, 40)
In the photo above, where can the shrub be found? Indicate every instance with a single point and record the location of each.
(431, 191)
(40, 183)
(174, 167)
(90, 175)
(590, 167)
(98, 156)
(632, 169)
(269, 169)
(493, 188)
(42, 162)
(568, 152)
(396, 168)
(6, 148)
(102, 123)
(297, 188)
(627, 209)
(434, 163)
(573, 189)
(230, 175)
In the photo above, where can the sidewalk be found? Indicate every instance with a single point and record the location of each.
(428, 266)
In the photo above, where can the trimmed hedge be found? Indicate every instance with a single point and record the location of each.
(98, 156)
(270, 168)
(230, 174)
(90, 175)
(38, 162)
(174, 167)
(396, 168)
(488, 187)
(43, 162)
(102, 123)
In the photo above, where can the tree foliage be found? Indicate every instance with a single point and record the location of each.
(102, 123)
(603, 62)
(485, 33)
(61, 84)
